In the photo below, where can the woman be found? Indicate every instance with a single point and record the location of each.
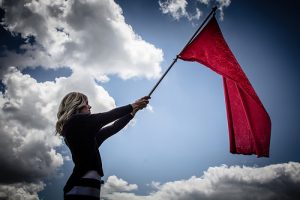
(83, 133)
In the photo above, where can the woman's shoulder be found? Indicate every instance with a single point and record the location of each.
(75, 120)
(78, 117)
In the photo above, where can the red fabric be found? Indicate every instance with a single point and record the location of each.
(248, 122)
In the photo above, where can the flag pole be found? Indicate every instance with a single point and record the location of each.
(212, 12)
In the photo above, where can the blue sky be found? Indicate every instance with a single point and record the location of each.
(181, 143)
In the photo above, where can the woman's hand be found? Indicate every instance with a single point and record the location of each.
(140, 104)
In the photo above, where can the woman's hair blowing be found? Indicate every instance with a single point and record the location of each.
(69, 105)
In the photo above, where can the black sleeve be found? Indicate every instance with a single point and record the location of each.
(96, 121)
(108, 131)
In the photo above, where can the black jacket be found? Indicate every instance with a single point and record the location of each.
(84, 133)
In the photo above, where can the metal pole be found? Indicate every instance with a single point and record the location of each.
(158, 82)
(175, 60)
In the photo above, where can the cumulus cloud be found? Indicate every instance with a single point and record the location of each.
(86, 34)
(178, 8)
(27, 121)
(27, 146)
(28, 117)
(24, 191)
(278, 181)
(115, 184)
(220, 3)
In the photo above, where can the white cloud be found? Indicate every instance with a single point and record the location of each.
(279, 181)
(26, 132)
(220, 3)
(115, 184)
(67, 158)
(177, 9)
(87, 34)
(27, 121)
(21, 191)
(150, 108)
(206, 2)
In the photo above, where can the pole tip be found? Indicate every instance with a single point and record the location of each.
(215, 8)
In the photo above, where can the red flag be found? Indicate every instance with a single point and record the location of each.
(248, 122)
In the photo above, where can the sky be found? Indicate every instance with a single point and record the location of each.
(115, 52)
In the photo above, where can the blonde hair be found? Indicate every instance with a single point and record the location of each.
(69, 105)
